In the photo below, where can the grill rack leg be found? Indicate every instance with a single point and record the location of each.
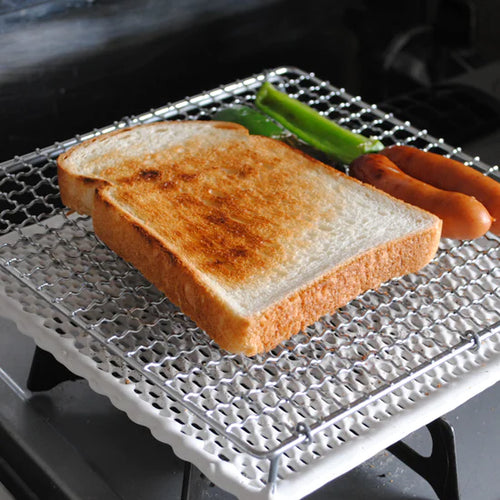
(439, 469)
(46, 372)
(195, 485)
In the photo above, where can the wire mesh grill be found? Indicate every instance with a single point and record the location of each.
(262, 405)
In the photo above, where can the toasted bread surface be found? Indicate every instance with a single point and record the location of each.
(251, 238)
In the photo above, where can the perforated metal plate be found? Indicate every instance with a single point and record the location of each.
(335, 383)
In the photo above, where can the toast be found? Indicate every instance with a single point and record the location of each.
(252, 239)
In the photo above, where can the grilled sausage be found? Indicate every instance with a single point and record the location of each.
(463, 216)
(448, 174)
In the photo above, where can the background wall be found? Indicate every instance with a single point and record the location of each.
(67, 66)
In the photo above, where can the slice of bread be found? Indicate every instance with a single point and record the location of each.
(252, 239)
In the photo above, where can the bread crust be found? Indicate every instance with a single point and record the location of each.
(77, 191)
(188, 288)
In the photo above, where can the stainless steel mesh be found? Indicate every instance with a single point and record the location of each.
(263, 405)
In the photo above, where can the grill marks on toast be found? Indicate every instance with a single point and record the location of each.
(233, 212)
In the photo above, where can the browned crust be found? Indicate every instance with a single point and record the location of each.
(160, 265)
(267, 329)
(77, 191)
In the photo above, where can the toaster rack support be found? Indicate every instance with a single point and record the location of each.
(439, 469)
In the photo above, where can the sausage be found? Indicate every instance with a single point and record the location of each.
(463, 216)
(448, 174)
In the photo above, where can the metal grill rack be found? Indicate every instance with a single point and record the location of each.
(255, 426)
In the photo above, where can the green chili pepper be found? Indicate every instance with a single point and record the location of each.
(256, 122)
(313, 128)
